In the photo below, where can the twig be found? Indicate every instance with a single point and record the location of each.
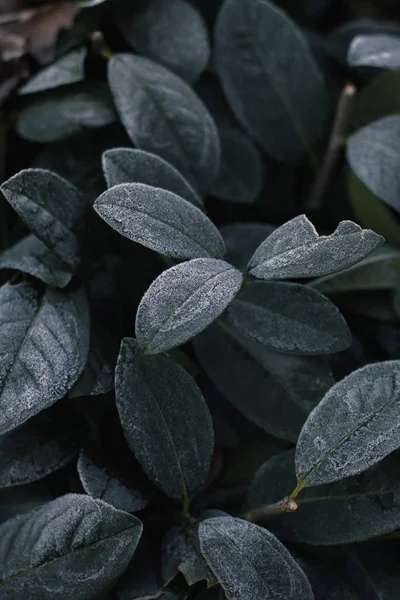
(334, 147)
(287, 505)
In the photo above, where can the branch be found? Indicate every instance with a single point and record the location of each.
(287, 505)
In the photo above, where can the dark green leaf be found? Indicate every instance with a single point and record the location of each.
(242, 240)
(165, 420)
(378, 99)
(164, 116)
(69, 549)
(128, 165)
(142, 579)
(60, 113)
(50, 206)
(160, 220)
(296, 250)
(105, 481)
(376, 50)
(182, 301)
(380, 569)
(31, 256)
(373, 153)
(44, 344)
(275, 391)
(351, 510)
(172, 33)
(65, 70)
(250, 562)
(354, 426)
(261, 58)
(281, 316)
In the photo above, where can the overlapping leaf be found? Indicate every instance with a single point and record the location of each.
(67, 69)
(375, 51)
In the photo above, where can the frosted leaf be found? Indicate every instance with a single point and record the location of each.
(354, 426)
(66, 111)
(273, 390)
(172, 33)
(251, 563)
(50, 206)
(160, 220)
(163, 115)
(44, 342)
(182, 301)
(242, 240)
(109, 482)
(180, 553)
(282, 317)
(351, 510)
(72, 548)
(67, 69)
(129, 165)
(42, 445)
(382, 51)
(270, 78)
(373, 152)
(165, 420)
(31, 256)
(379, 270)
(296, 250)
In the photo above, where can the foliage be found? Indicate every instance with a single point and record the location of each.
(200, 307)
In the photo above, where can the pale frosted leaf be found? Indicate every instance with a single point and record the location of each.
(50, 206)
(351, 510)
(44, 342)
(172, 33)
(160, 220)
(165, 420)
(67, 69)
(354, 426)
(31, 256)
(163, 115)
(373, 153)
(129, 165)
(296, 250)
(58, 114)
(72, 548)
(250, 562)
(105, 481)
(242, 240)
(375, 50)
(281, 316)
(182, 301)
(270, 78)
(273, 390)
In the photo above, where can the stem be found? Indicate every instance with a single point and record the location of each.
(334, 147)
(100, 47)
(287, 505)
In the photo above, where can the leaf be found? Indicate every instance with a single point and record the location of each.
(44, 345)
(240, 176)
(351, 510)
(106, 481)
(380, 98)
(42, 445)
(128, 165)
(182, 301)
(171, 33)
(380, 569)
(381, 51)
(50, 206)
(180, 552)
(69, 549)
(242, 240)
(261, 57)
(281, 316)
(142, 579)
(159, 220)
(165, 420)
(31, 256)
(68, 69)
(379, 270)
(250, 563)
(354, 426)
(57, 114)
(296, 250)
(161, 114)
(274, 391)
(342, 36)
(373, 153)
